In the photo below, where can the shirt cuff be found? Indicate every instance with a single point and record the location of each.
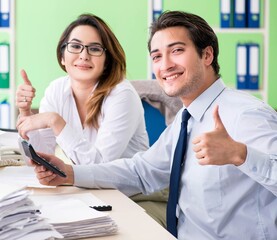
(67, 138)
(83, 176)
(256, 163)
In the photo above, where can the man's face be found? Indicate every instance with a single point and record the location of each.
(176, 63)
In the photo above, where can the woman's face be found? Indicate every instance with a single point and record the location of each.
(84, 67)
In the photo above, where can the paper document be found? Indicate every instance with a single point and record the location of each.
(20, 218)
(10, 154)
(9, 139)
(23, 175)
(71, 215)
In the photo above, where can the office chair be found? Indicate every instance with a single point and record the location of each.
(154, 120)
(159, 112)
(159, 109)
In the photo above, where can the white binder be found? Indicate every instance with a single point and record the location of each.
(241, 66)
(4, 115)
(253, 72)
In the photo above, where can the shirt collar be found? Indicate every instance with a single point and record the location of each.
(199, 106)
(68, 89)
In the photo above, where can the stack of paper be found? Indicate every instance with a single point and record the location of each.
(9, 138)
(23, 175)
(20, 218)
(9, 150)
(73, 218)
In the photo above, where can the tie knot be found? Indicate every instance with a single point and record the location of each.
(185, 116)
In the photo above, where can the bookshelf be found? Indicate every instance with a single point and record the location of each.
(261, 35)
(7, 35)
(151, 6)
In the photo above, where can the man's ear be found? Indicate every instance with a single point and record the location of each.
(208, 55)
(62, 61)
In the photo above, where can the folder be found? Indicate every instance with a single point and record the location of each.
(4, 66)
(226, 14)
(4, 114)
(241, 66)
(253, 66)
(157, 8)
(253, 13)
(4, 13)
(240, 13)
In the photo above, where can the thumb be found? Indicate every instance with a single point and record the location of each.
(25, 77)
(217, 119)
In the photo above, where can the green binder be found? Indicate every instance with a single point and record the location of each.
(4, 65)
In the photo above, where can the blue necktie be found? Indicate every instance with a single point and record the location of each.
(171, 219)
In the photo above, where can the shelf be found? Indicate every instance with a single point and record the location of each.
(9, 93)
(6, 91)
(5, 30)
(252, 33)
(240, 30)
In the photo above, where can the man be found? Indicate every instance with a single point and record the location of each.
(227, 188)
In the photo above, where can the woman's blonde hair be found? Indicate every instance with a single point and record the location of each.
(114, 68)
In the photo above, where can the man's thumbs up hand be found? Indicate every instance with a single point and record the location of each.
(217, 120)
(217, 147)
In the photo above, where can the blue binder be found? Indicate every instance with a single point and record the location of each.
(5, 114)
(226, 14)
(253, 57)
(4, 65)
(240, 13)
(253, 13)
(241, 66)
(4, 13)
(157, 8)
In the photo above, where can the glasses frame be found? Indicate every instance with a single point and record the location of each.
(83, 47)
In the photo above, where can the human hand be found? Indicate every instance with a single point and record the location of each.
(24, 95)
(47, 177)
(217, 147)
(39, 121)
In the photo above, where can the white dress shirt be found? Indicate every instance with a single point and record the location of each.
(216, 202)
(121, 134)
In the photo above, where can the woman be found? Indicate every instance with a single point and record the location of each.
(93, 113)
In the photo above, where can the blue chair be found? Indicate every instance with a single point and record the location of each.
(159, 109)
(155, 122)
(159, 112)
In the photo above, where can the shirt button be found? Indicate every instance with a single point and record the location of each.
(254, 169)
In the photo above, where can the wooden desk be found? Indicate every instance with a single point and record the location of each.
(133, 222)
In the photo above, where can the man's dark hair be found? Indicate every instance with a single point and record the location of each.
(200, 33)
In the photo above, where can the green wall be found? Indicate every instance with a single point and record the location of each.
(39, 24)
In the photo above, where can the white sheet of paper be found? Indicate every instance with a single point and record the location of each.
(20, 176)
(88, 198)
(9, 139)
(68, 210)
(7, 188)
(71, 215)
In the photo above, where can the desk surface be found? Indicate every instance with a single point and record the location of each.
(133, 222)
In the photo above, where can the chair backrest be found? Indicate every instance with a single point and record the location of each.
(154, 120)
(160, 109)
